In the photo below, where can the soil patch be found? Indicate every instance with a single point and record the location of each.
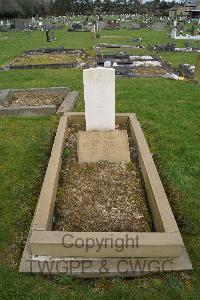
(100, 196)
(34, 99)
(46, 59)
(149, 71)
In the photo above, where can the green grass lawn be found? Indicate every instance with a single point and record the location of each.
(179, 58)
(18, 42)
(169, 113)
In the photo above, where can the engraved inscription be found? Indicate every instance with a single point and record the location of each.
(97, 146)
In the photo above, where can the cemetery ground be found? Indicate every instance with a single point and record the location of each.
(169, 114)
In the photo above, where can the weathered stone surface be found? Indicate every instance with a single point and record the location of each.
(99, 96)
(95, 146)
(68, 103)
(7, 109)
(28, 110)
(4, 96)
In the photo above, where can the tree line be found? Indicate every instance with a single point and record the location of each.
(24, 8)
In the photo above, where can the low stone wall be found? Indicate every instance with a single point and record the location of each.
(67, 105)
(28, 110)
(39, 66)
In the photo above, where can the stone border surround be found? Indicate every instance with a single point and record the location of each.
(45, 253)
(67, 105)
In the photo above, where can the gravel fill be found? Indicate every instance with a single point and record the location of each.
(34, 99)
(100, 196)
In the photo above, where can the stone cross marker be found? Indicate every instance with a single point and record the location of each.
(99, 96)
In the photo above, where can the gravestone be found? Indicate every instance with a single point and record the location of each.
(193, 30)
(101, 25)
(143, 25)
(186, 70)
(47, 36)
(21, 24)
(197, 70)
(135, 26)
(99, 96)
(158, 26)
(107, 64)
(173, 33)
(77, 26)
(112, 24)
(100, 141)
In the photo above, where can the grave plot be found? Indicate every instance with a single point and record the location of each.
(191, 71)
(118, 46)
(136, 65)
(187, 70)
(183, 37)
(60, 50)
(37, 101)
(171, 47)
(100, 196)
(77, 27)
(90, 209)
(51, 58)
(115, 37)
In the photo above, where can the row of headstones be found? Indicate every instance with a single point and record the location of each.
(21, 24)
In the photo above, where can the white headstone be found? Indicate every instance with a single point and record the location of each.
(107, 64)
(173, 33)
(99, 97)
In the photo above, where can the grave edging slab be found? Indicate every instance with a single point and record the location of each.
(41, 226)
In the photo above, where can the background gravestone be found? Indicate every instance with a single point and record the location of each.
(158, 26)
(77, 26)
(135, 26)
(143, 25)
(21, 24)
